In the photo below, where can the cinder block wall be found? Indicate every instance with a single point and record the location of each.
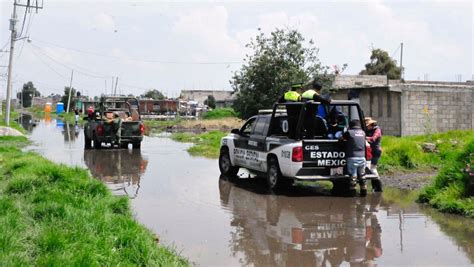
(381, 104)
(436, 107)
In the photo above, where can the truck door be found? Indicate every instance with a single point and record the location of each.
(241, 143)
(256, 144)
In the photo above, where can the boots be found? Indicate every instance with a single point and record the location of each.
(363, 187)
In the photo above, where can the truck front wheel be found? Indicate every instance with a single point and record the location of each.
(225, 165)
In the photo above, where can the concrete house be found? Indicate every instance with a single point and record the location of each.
(410, 107)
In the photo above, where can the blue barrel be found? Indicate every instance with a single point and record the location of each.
(59, 107)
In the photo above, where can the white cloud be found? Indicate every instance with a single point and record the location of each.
(104, 22)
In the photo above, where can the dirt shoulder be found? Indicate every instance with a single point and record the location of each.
(410, 181)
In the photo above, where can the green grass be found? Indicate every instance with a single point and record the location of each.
(53, 215)
(13, 123)
(70, 118)
(405, 154)
(219, 113)
(205, 144)
(449, 190)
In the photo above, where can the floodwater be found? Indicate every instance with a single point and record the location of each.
(216, 222)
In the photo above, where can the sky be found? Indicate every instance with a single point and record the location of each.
(171, 46)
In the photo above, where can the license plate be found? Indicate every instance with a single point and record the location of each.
(337, 171)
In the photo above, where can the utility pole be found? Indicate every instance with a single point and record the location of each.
(116, 82)
(401, 60)
(70, 91)
(13, 21)
(13, 39)
(112, 86)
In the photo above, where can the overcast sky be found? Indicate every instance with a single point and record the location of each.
(198, 45)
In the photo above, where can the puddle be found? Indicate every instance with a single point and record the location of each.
(216, 222)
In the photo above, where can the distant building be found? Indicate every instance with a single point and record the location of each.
(150, 106)
(410, 107)
(223, 98)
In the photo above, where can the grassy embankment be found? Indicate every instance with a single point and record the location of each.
(66, 117)
(53, 215)
(13, 124)
(449, 191)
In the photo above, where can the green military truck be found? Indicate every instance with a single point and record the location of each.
(117, 122)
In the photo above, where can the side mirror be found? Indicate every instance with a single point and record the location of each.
(235, 131)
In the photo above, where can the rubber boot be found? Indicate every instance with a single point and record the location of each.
(377, 185)
(352, 186)
(363, 188)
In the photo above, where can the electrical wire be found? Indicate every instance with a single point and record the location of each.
(23, 24)
(395, 51)
(48, 66)
(147, 60)
(66, 66)
(26, 34)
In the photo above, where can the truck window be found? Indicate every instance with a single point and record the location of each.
(279, 126)
(260, 126)
(248, 126)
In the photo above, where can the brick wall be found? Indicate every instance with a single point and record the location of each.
(381, 104)
(436, 107)
(413, 108)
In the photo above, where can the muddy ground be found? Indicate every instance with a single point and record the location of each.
(408, 180)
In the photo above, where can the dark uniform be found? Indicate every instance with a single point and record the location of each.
(355, 154)
(293, 111)
(314, 125)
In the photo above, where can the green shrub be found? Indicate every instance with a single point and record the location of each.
(449, 190)
(219, 113)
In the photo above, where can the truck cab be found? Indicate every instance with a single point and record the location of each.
(307, 148)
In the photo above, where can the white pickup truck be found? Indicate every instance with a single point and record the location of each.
(263, 146)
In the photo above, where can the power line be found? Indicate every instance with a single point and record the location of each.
(48, 66)
(147, 60)
(23, 24)
(26, 33)
(66, 66)
(395, 51)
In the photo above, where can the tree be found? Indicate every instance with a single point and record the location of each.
(210, 101)
(154, 94)
(382, 64)
(277, 61)
(65, 97)
(26, 94)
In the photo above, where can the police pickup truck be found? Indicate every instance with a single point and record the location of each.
(306, 148)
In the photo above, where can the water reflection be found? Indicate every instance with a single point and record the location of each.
(302, 231)
(27, 122)
(120, 169)
(70, 131)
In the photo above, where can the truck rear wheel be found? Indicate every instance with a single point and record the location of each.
(87, 142)
(137, 145)
(97, 143)
(275, 179)
(225, 165)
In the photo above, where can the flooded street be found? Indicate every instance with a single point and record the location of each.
(216, 222)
